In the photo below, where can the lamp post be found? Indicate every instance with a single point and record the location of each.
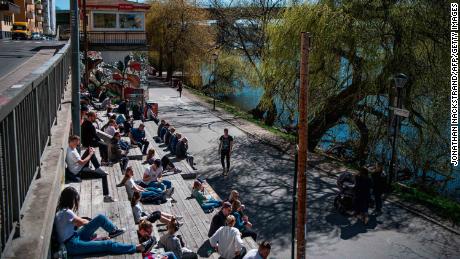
(214, 61)
(400, 81)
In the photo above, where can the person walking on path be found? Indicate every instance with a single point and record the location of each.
(179, 88)
(225, 149)
(379, 181)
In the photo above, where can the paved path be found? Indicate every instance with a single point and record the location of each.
(263, 175)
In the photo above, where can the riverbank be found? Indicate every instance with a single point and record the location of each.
(439, 211)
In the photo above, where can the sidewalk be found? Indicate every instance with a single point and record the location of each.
(262, 170)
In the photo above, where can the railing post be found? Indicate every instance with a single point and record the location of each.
(15, 176)
(37, 115)
(49, 109)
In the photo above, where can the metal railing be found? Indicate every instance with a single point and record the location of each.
(118, 38)
(27, 113)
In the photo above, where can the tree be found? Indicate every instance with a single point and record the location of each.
(357, 47)
(241, 27)
(179, 36)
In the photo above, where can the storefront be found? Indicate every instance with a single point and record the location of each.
(114, 24)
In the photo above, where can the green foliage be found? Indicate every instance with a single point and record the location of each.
(226, 73)
(357, 46)
(177, 36)
(442, 206)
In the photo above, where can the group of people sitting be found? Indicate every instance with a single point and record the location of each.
(229, 226)
(174, 141)
(77, 233)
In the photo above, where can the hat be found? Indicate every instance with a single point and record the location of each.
(226, 205)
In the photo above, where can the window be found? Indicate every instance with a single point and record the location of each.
(105, 20)
(131, 21)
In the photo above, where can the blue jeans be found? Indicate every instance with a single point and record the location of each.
(165, 184)
(170, 255)
(210, 204)
(81, 243)
(151, 192)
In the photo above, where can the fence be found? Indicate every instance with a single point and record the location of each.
(27, 113)
(115, 38)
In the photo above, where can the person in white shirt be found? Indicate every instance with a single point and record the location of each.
(78, 166)
(153, 177)
(261, 253)
(82, 241)
(227, 241)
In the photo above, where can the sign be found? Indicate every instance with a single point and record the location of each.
(400, 112)
(125, 7)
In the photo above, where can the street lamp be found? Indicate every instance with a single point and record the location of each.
(400, 81)
(214, 61)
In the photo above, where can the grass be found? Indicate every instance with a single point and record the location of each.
(244, 115)
(443, 207)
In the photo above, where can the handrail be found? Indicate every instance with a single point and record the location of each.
(27, 115)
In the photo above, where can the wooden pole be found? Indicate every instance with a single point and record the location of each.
(303, 143)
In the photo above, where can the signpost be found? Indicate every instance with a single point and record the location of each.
(400, 112)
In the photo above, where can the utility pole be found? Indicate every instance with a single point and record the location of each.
(303, 144)
(75, 43)
(85, 35)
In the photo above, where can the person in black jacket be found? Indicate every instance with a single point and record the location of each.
(219, 219)
(123, 107)
(116, 152)
(162, 124)
(379, 182)
(362, 195)
(181, 152)
(89, 137)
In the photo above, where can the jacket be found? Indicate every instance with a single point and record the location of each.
(89, 136)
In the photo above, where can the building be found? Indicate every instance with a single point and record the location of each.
(7, 11)
(31, 12)
(115, 27)
(49, 17)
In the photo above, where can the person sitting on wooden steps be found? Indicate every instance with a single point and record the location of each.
(145, 233)
(117, 153)
(181, 152)
(153, 177)
(139, 213)
(207, 202)
(78, 166)
(166, 163)
(81, 241)
(148, 194)
(242, 221)
(174, 243)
